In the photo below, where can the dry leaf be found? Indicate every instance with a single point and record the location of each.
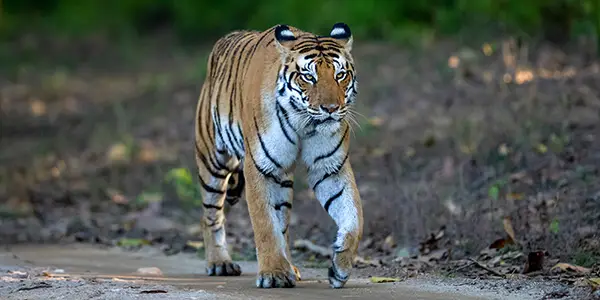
(38, 107)
(508, 228)
(565, 267)
(195, 244)
(501, 243)
(118, 152)
(453, 62)
(384, 279)
(594, 283)
(487, 49)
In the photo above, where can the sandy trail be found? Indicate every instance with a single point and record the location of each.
(89, 272)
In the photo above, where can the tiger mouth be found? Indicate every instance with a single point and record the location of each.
(327, 120)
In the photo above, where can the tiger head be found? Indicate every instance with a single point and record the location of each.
(317, 78)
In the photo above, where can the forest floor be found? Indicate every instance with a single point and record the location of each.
(473, 160)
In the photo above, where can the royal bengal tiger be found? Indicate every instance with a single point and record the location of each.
(268, 98)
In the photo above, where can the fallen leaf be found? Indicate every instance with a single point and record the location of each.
(508, 228)
(435, 255)
(503, 150)
(118, 152)
(195, 244)
(594, 283)
(565, 267)
(487, 49)
(125, 242)
(501, 243)
(153, 271)
(153, 292)
(453, 62)
(541, 148)
(116, 196)
(384, 279)
(38, 107)
(514, 196)
(389, 243)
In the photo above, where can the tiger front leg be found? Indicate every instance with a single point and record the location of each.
(340, 198)
(269, 203)
(332, 180)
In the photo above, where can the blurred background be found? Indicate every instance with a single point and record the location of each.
(479, 123)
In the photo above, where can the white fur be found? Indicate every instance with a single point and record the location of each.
(338, 31)
(342, 210)
(287, 33)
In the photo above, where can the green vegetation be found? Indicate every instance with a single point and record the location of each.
(374, 19)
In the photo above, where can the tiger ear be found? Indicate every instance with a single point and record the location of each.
(341, 32)
(283, 37)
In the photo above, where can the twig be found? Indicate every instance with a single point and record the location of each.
(310, 246)
(486, 268)
(470, 263)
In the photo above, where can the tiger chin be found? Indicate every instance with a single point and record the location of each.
(269, 99)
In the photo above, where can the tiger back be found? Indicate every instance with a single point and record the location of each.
(270, 99)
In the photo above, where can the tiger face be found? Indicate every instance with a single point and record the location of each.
(317, 77)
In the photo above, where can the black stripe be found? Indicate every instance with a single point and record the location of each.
(333, 272)
(283, 204)
(284, 184)
(212, 206)
(286, 229)
(333, 198)
(217, 128)
(327, 175)
(264, 147)
(233, 146)
(208, 165)
(209, 188)
(332, 152)
(286, 116)
(296, 108)
(279, 113)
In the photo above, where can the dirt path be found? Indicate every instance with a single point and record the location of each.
(85, 272)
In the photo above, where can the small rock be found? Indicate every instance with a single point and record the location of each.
(152, 271)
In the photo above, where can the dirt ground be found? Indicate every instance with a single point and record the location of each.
(78, 272)
(459, 147)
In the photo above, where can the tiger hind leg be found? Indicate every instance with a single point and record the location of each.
(213, 183)
(235, 188)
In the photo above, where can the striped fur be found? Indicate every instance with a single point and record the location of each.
(269, 98)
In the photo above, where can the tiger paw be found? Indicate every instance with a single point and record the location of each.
(275, 279)
(226, 268)
(336, 279)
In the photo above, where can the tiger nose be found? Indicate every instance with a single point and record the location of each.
(330, 108)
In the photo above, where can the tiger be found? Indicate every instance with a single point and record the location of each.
(269, 99)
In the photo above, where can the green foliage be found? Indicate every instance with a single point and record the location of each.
(185, 187)
(375, 19)
(554, 226)
(586, 258)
